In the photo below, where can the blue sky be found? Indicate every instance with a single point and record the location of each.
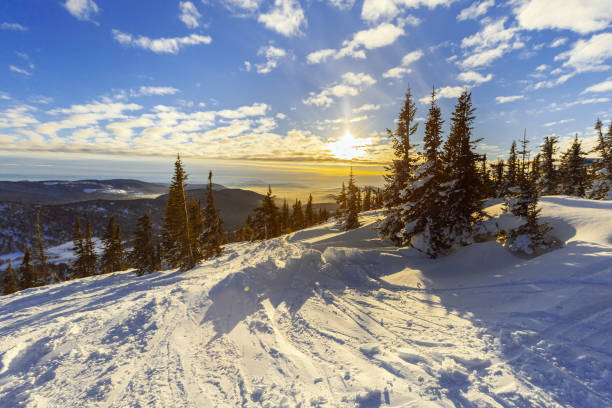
(267, 82)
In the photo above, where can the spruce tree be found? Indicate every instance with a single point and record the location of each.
(10, 283)
(549, 182)
(367, 199)
(285, 219)
(401, 170)
(212, 238)
(142, 257)
(351, 216)
(78, 249)
(39, 254)
(266, 223)
(27, 273)
(90, 258)
(573, 170)
(511, 179)
(249, 232)
(461, 188)
(498, 178)
(521, 196)
(177, 242)
(602, 180)
(341, 202)
(309, 215)
(297, 216)
(113, 256)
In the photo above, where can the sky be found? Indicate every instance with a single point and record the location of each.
(285, 92)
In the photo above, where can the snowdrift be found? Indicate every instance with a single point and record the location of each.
(324, 317)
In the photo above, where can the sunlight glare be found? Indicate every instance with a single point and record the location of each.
(348, 147)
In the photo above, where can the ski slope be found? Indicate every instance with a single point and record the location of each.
(326, 318)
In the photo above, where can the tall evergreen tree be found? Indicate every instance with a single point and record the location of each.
(309, 215)
(513, 167)
(78, 248)
(142, 257)
(212, 237)
(113, 256)
(285, 219)
(498, 178)
(266, 223)
(39, 254)
(520, 197)
(461, 188)
(177, 243)
(341, 202)
(297, 216)
(10, 282)
(573, 170)
(90, 258)
(27, 273)
(602, 185)
(351, 217)
(401, 171)
(367, 199)
(249, 232)
(549, 183)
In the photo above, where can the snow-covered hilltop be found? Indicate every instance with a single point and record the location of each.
(324, 317)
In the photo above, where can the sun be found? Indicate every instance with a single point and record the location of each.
(348, 147)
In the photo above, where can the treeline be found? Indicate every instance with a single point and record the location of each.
(434, 198)
(270, 221)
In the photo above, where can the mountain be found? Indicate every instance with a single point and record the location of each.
(63, 191)
(329, 318)
(59, 220)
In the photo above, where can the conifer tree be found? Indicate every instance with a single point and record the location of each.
(27, 273)
(10, 283)
(520, 197)
(602, 180)
(549, 183)
(573, 170)
(212, 237)
(142, 257)
(177, 243)
(486, 182)
(401, 171)
(461, 187)
(309, 215)
(297, 216)
(498, 178)
(113, 256)
(323, 216)
(90, 258)
(196, 225)
(367, 199)
(249, 232)
(341, 202)
(39, 254)
(78, 248)
(513, 169)
(285, 219)
(351, 217)
(266, 223)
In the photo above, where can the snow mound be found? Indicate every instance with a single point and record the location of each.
(329, 318)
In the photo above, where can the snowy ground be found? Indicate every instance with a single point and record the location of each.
(328, 318)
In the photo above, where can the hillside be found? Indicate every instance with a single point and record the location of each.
(329, 318)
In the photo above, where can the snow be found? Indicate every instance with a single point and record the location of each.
(324, 317)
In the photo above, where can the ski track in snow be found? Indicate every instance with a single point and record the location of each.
(326, 318)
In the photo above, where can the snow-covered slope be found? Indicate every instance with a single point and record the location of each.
(328, 318)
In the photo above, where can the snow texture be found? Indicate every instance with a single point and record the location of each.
(329, 318)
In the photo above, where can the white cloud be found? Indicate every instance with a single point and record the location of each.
(589, 55)
(475, 10)
(249, 5)
(402, 70)
(281, 116)
(350, 85)
(506, 99)
(19, 70)
(542, 67)
(489, 44)
(381, 36)
(396, 73)
(272, 55)
(605, 86)
(446, 92)
(189, 14)
(342, 4)
(154, 90)
(375, 10)
(366, 108)
(581, 16)
(559, 122)
(160, 45)
(558, 42)
(12, 27)
(285, 17)
(474, 77)
(82, 9)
